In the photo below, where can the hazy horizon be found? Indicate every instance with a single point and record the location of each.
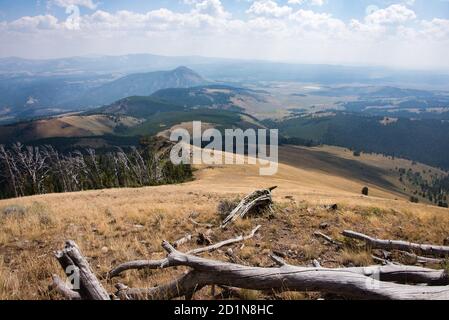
(354, 65)
(405, 34)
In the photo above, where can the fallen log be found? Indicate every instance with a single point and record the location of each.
(257, 199)
(185, 286)
(391, 272)
(61, 287)
(182, 241)
(404, 274)
(422, 260)
(75, 265)
(155, 264)
(374, 243)
(360, 283)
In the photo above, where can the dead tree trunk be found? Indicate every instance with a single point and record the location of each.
(361, 283)
(374, 243)
(375, 282)
(76, 266)
(257, 199)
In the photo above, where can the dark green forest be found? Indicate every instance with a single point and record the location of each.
(424, 140)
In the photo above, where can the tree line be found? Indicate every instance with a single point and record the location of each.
(435, 188)
(31, 170)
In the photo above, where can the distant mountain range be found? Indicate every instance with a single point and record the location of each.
(143, 115)
(219, 69)
(140, 84)
(125, 64)
(124, 98)
(36, 88)
(30, 97)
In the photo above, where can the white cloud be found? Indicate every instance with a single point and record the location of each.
(321, 21)
(436, 28)
(211, 7)
(384, 23)
(35, 23)
(396, 13)
(81, 3)
(269, 8)
(311, 2)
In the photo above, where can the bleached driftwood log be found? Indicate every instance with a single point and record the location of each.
(361, 283)
(257, 199)
(374, 243)
(155, 264)
(75, 265)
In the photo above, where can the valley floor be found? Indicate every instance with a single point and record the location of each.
(114, 226)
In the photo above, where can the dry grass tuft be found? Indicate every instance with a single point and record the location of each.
(351, 258)
(225, 206)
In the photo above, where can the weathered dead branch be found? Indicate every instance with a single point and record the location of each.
(61, 287)
(421, 259)
(185, 286)
(257, 199)
(327, 238)
(76, 266)
(374, 243)
(205, 225)
(155, 264)
(361, 283)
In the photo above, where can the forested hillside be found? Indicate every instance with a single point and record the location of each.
(425, 141)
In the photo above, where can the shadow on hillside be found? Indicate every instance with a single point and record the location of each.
(333, 164)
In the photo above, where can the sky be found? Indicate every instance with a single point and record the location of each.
(412, 34)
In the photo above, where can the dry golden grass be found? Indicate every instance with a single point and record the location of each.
(114, 226)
